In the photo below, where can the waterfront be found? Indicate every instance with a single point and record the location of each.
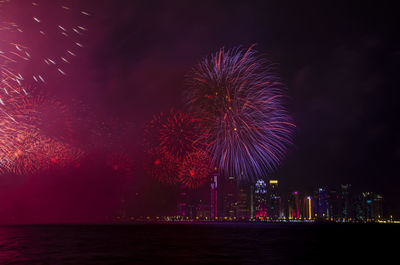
(197, 243)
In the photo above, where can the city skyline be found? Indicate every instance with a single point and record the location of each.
(339, 77)
(199, 132)
(265, 201)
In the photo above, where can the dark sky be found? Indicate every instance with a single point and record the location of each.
(340, 63)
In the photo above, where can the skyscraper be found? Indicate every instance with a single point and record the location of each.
(293, 205)
(182, 202)
(274, 200)
(334, 204)
(376, 209)
(242, 210)
(323, 210)
(251, 196)
(229, 197)
(345, 207)
(260, 196)
(214, 197)
(371, 207)
(307, 213)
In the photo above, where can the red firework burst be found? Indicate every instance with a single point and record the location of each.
(38, 153)
(45, 113)
(24, 149)
(175, 134)
(120, 164)
(195, 169)
(162, 167)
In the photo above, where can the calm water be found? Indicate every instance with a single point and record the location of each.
(199, 244)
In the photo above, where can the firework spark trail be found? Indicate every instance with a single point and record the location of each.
(241, 100)
(25, 56)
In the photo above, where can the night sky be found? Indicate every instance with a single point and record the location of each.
(339, 62)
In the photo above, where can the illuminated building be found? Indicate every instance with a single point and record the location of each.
(260, 196)
(274, 200)
(293, 205)
(370, 207)
(251, 195)
(307, 212)
(323, 210)
(182, 202)
(242, 209)
(229, 197)
(334, 204)
(202, 210)
(214, 197)
(376, 208)
(345, 207)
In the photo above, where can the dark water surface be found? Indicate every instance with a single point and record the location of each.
(200, 244)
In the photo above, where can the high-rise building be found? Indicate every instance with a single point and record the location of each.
(307, 206)
(274, 200)
(214, 197)
(182, 202)
(334, 204)
(371, 207)
(229, 197)
(345, 207)
(202, 210)
(376, 208)
(251, 196)
(242, 209)
(260, 196)
(367, 205)
(293, 205)
(323, 209)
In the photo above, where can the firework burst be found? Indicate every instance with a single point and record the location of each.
(160, 166)
(175, 134)
(47, 114)
(241, 101)
(26, 146)
(169, 138)
(195, 169)
(120, 164)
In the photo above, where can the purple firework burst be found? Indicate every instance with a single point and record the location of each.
(241, 101)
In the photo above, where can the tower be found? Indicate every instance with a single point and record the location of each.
(260, 195)
(182, 202)
(214, 197)
(274, 200)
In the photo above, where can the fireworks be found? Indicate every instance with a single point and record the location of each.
(169, 139)
(175, 134)
(25, 144)
(38, 39)
(195, 169)
(42, 153)
(120, 164)
(28, 36)
(241, 102)
(47, 114)
(160, 166)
